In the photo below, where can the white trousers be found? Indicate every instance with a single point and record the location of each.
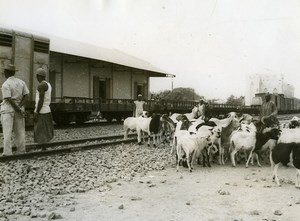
(13, 122)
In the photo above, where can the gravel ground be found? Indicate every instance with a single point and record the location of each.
(36, 187)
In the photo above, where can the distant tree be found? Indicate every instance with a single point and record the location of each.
(232, 100)
(179, 93)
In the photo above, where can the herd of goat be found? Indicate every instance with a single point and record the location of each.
(193, 139)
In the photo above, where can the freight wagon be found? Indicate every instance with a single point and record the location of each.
(78, 83)
(119, 109)
(284, 105)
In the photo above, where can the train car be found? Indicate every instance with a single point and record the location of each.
(27, 52)
(284, 105)
(80, 85)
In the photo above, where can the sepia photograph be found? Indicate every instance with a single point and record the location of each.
(150, 110)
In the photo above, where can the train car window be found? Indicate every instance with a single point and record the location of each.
(42, 47)
(6, 40)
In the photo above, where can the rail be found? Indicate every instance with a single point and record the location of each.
(66, 148)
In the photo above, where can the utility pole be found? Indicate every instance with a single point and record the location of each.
(171, 76)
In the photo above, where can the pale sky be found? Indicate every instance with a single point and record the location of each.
(210, 45)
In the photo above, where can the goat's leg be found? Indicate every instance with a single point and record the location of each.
(275, 176)
(221, 157)
(193, 159)
(250, 157)
(174, 145)
(220, 147)
(162, 136)
(297, 178)
(126, 130)
(232, 154)
(257, 159)
(155, 137)
(188, 161)
(208, 161)
(139, 132)
(178, 158)
(149, 138)
(205, 158)
(271, 161)
(144, 136)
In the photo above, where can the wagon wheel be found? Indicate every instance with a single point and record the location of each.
(109, 118)
(80, 119)
(119, 118)
(61, 120)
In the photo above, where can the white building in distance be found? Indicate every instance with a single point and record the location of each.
(263, 83)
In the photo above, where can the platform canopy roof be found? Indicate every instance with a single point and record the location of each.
(115, 56)
(82, 49)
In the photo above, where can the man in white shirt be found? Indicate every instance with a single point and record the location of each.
(14, 95)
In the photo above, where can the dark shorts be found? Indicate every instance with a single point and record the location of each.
(43, 128)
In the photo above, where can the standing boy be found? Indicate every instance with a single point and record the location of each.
(139, 106)
(43, 124)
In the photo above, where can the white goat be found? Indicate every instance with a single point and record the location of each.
(189, 144)
(146, 125)
(229, 124)
(290, 135)
(191, 116)
(242, 140)
(215, 136)
(287, 150)
(129, 123)
(226, 121)
(182, 125)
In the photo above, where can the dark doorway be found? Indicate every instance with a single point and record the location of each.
(101, 88)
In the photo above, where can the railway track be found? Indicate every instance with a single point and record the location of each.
(67, 146)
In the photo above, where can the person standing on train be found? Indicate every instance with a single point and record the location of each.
(267, 109)
(139, 106)
(201, 107)
(43, 123)
(14, 94)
